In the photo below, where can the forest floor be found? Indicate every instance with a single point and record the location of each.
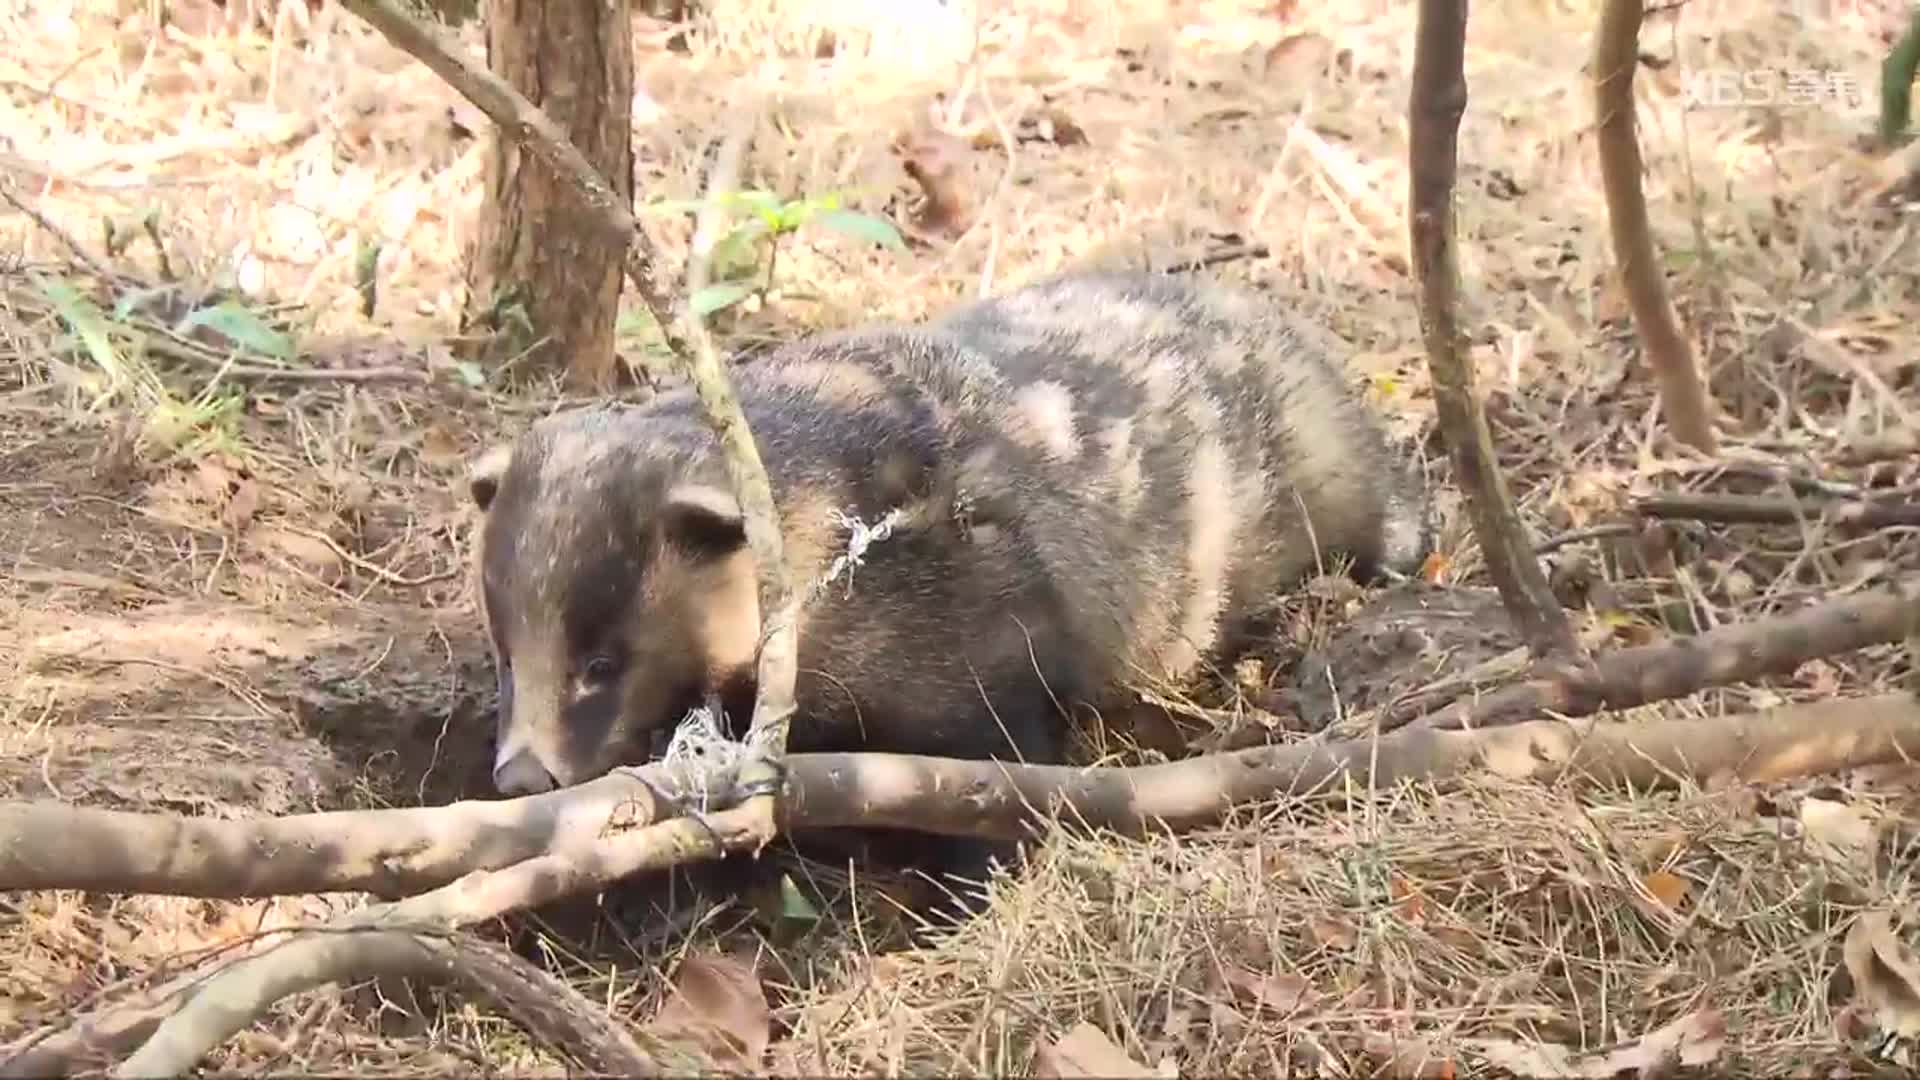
(242, 589)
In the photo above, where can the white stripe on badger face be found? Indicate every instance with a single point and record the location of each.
(534, 722)
(513, 743)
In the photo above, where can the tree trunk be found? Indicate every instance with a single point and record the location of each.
(542, 274)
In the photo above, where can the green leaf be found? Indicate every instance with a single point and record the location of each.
(795, 214)
(714, 297)
(470, 373)
(86, 321)
(861, 226)
(242, 327)
(761, 202)
(734, 249)
(793, 904)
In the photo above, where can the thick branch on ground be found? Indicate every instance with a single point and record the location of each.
(1773, 510)
(524, 123)
(48, 845)
(1438, 98)
(1731, 654)
(229, 998)
(1793, 740)
(1616, 53)
(547, 1007)
(99, 1037)
(989, 799)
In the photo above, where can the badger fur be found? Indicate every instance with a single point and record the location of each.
(1098, 478)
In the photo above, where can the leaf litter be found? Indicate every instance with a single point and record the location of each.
(1413, 932)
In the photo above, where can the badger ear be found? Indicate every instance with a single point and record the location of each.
(483, 476)
(704, 518)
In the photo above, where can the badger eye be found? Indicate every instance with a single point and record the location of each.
(600, 668)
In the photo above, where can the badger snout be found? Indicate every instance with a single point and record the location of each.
(520, 774)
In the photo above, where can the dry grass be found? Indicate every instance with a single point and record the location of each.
(1298, 937)
(135, 485)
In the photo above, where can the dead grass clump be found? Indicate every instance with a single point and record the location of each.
(1304, 938)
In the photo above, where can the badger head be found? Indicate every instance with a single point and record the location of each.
(617, 590)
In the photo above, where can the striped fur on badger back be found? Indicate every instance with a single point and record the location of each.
(1097, 478)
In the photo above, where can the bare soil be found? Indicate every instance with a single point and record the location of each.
(158, 658)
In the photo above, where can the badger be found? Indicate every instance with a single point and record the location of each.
(1093, 480)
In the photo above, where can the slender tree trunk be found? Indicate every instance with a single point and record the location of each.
(542, 273)
(1683, 393)
(1437, 101)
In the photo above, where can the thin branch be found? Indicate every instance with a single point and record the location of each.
(1616, 54)
(1768, 510)
(777, 668)
(524, 123)
(1721, 657)
(1896, 84)
(53, 228)
(1436, 103)
(239, 993)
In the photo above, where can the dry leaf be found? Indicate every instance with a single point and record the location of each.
(1279, 993)
(1084, 1051)
(1435, 567)
(1299, 58)
(1842, 830)
(1694, 1039)
(1408, 900)
(230, 489)
(1885, 974)
(1332, 933)
(1457, 937)
(1411, 1058)
(1669, 889)
(716, 1003)
(937, 162)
